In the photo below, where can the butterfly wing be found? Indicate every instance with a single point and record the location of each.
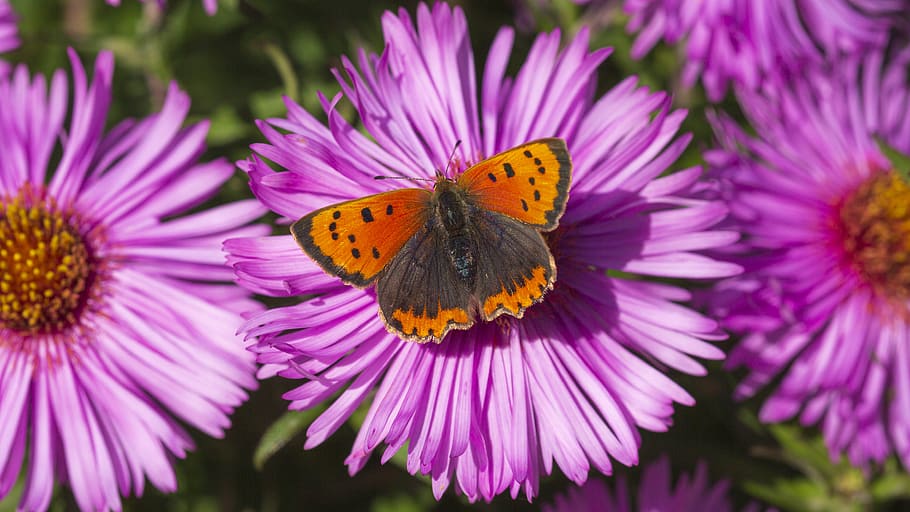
(529, 183)
(514, 266)
(420, 296)
(355, 240)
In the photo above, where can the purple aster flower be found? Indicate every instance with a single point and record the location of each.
(114, 329)
(656, 493)
(210, 6)
(742, 41)
(823, 304)
(493, 407)
(9, 32)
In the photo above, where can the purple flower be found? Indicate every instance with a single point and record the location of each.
(656, 493)
(114, 330)
(9, 32)
(210, 6)
(493, 407)
(823, 304)
(742, 41)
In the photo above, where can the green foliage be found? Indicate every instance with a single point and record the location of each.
(11, 501)
(279, 434)
(404, 502)
(818, 483)
(899, 161)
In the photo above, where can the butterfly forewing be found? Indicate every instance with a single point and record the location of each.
(355, 240)
(529, 183)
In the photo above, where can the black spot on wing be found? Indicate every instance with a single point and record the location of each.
(352, 238)
(389, 209)
(375, 253)
(492, 177)
(509, 170)
(524, 205)
(303, 233)
(336, 215)
(367, 215)
(355, 253)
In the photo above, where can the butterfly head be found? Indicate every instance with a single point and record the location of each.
(442, 183)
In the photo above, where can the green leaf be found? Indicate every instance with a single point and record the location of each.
(285, 69)
(405, 502)
(280, 433)
(808, 455)
(899, 161)
(824, 484)
(893, 484)
(749, 419)
(11, 500)
(400, 459)
(799, 494)
(227, 126)
(265, 104)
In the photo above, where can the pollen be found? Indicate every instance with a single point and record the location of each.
(46, 267)
(875, 222)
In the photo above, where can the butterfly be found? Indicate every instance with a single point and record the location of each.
(470, 248)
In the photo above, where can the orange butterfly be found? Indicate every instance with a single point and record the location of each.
(471, 247)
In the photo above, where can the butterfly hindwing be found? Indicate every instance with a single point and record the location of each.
(355, 240)
(514, 266)
(529, 183)
(420, 296)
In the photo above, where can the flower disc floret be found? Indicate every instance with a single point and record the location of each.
(46, 265)
(875, 222)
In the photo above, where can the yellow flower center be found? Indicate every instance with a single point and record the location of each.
(46, 267)
(876, 224)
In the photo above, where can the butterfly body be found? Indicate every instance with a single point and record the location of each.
(454, 212)
(470, 248)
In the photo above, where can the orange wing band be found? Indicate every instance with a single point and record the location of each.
(421, 327)
(526, 293)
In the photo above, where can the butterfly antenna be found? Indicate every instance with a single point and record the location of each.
(409, 178)
(445, 173)
(438, 174)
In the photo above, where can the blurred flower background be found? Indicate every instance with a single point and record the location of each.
(657, 490)
(236, 60)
